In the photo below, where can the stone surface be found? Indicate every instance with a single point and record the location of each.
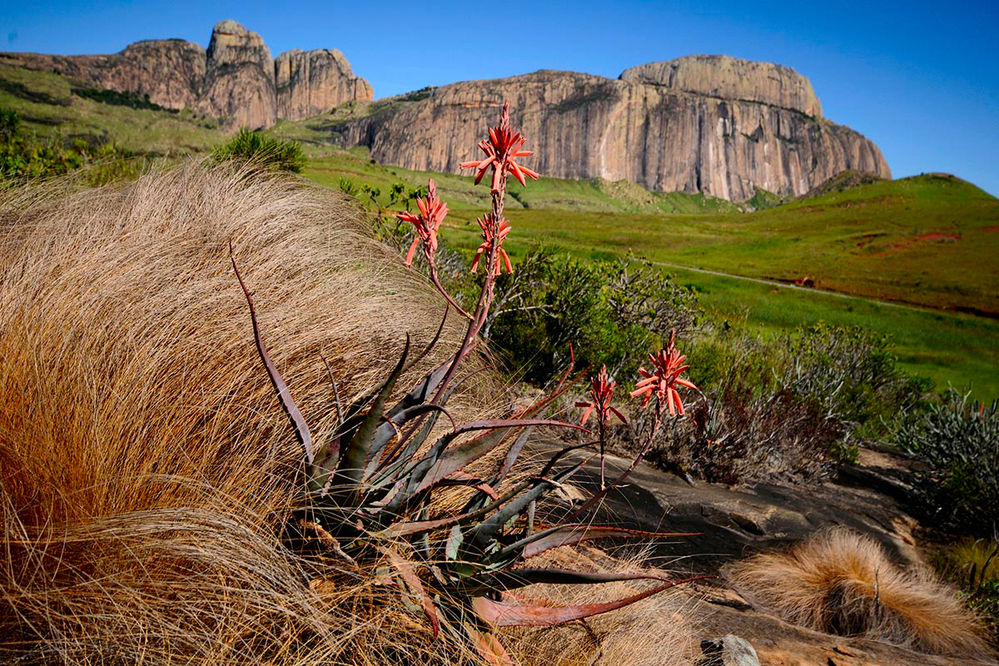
(235, 79)
(728, 650)
(583, 126)
(239, 78)
(312, 82)
(710, 124)
(731, 78)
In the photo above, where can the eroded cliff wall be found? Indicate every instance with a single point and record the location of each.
(667, 137)
(235, 79)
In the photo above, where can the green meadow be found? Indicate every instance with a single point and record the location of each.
(914, 258)
(855, 245)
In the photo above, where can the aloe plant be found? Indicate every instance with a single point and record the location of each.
(372, 484)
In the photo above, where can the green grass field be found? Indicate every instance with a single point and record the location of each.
(931, 241)
(809, 237)
(50, 109)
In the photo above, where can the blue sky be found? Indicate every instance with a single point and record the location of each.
(919, 78)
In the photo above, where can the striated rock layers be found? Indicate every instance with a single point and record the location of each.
(715, 125)
(313, 82)
(235, 79)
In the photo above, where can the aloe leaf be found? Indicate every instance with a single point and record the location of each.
(463, 479)
(490, 528)
(359, 446)
(419, 393)
(453, 543)
(570, 535)
(415, 586)
(401, 461)
(467, 453)
(516, 578)
(526, 614)
(489, 647)
(405, 528)
(284, 395)
(512, 455)
(385, 432)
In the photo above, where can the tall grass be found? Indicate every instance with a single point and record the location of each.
(145, 465)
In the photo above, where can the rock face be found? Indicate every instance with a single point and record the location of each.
(239, 78)
(235, 79)
(311, 82)
(658, 135)
(731, 78)
(170, 71)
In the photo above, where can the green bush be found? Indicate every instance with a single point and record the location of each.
(614, 313)
(262, 149)
(852, 377)
(959, 439)
(23, 158)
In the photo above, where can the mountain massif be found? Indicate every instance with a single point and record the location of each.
(235, 79)
(711, 124)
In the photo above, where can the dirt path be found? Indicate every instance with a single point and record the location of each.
(794, 287)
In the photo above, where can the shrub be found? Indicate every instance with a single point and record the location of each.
(851, 376)
(786, 409)
(262, 149)
(614, 313)
(843, 583)
(23, 158)
(959, 439)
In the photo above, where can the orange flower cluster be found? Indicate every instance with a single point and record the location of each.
(502, 146)
(427, 223)
(667, 367)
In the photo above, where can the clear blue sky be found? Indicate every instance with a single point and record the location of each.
(919, 78)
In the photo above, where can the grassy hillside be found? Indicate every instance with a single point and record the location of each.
(55, 108)
(931, 240)
(809, 237)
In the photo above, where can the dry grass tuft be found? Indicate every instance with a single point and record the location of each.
(653, 632)
(145, 465)
(843, 583)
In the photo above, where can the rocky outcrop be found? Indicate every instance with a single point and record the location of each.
(311, 82)
(660, 136)
(235, 79)
(731, 78)
(239, 78)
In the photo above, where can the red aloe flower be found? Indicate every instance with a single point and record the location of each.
(491, 234)
(427, 223)
(601, 390)
(661, 382)
(502, 146)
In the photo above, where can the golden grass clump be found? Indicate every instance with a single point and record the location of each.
(145, 464)
(843, 583)
(657, 631)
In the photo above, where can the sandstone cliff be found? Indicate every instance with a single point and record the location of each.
(235, 79)
(731, 78)
(688, 134)
(313, 82)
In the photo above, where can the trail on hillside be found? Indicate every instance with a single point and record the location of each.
(807, 290)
